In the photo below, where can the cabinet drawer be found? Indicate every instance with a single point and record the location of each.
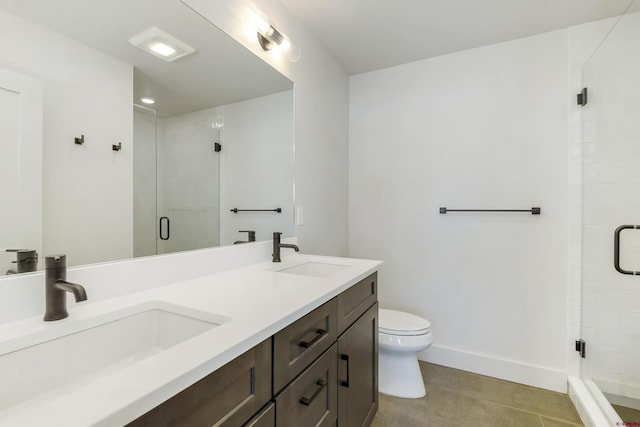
(227, 397)
(300, 343)
(353, 302)
(311, 399)
(266, 417)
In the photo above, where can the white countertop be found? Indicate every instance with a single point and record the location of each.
(258, 301)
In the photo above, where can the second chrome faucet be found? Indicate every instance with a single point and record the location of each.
(277, 246)
(56, 288)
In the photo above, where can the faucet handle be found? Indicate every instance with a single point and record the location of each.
(24, 255)
(251, 235)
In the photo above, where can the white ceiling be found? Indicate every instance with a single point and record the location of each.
(366, 35)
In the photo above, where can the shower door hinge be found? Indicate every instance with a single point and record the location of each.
(582, 97)
(217, 147)
(581, 347)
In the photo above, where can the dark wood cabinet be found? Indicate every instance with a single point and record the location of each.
(265, 418)
(230, 396)
(299, 344)
(358, 371)
(353, 302)
(311, 399)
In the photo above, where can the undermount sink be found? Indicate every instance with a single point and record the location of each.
(313, 268)
(94, 347)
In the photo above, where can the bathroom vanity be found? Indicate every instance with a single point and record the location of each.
(291, 343)
(316, 371)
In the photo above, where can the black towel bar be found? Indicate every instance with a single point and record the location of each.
(236, 210)
(533, 211)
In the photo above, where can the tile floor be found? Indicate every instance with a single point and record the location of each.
(458, 398)
(628, 415)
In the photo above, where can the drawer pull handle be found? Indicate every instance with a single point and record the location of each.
(306, 401)
(321, 333)
(345, 357)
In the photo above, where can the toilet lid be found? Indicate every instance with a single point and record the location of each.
(394, 322)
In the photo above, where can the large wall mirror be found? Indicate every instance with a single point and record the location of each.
(111, 148)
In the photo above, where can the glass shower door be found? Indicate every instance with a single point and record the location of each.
(188, 184)
(176, 183)
(611, 198)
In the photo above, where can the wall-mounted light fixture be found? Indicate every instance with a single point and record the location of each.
(269, 37)
(160, 44)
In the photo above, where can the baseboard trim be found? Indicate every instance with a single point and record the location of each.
(523, 373)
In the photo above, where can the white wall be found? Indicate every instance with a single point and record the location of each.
(483, 128)
(257, 165)
(87, 188)
(321, 121)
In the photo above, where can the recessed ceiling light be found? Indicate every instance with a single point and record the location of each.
(162, 49)
(147, 100)
(161, 44)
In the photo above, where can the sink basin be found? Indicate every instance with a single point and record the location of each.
(314, 268)
(96, 347)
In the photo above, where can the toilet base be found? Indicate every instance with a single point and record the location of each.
(399, 375)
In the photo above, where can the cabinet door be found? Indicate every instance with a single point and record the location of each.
(299, 344)
(229, 396)
(311, 399)
(358, 371)
(353, 302)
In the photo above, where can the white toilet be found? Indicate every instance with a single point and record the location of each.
(401, 336)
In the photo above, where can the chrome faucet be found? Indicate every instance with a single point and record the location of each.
(277, 246)
(56, 288)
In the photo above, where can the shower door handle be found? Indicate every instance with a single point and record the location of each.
(616, 249)
(162, 236)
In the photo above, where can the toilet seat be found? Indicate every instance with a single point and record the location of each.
(394, 322)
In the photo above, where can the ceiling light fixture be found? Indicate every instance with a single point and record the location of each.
(162, 49)
(148, 100)
(161, 44)
(269, 37)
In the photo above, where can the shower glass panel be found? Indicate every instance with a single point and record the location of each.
(188, 184)
(611, 198)
(145, 230)
(176, 183)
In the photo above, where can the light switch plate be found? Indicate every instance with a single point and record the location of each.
(299, 215)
